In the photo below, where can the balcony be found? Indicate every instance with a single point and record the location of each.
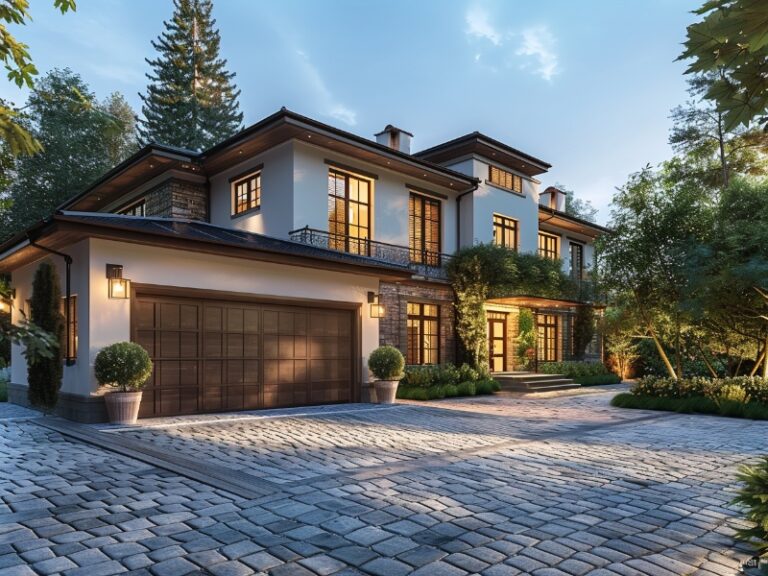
(422, 262)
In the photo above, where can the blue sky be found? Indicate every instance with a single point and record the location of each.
(586, 86)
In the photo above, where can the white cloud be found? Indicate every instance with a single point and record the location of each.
(539, 44)
(479, 25)
(532, 49)
(331, 106)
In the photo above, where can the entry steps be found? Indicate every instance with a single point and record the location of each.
(533, 382)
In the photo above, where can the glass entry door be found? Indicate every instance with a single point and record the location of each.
(497, 341)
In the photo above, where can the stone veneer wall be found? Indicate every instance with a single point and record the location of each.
(177, 198)
(393, 327)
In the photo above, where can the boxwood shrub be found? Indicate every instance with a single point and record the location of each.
(434, 382)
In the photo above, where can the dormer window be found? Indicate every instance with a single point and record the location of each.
(505, 179)
(246, 193)
(135, 209)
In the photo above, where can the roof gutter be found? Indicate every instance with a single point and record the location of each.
(458, 211)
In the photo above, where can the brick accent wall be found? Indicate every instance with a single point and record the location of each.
(393, 328)
(177, 198)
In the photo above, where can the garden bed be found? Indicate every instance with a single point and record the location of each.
(444, 381)
(581, 372)
(743, 397)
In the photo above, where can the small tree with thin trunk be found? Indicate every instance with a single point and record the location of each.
(44, 374)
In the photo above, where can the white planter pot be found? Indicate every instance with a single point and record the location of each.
(386, 391)
(123, 407)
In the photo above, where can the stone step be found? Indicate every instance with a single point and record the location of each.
(535, 382)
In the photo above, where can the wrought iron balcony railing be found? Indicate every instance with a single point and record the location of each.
(422, 262)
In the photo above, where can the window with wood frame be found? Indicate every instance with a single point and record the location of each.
(577, 261)
(505, 179)
(349, 212)
(423, 329)
(505, 231)
(547, 335)
(549, 246)
(424, 229)
(71, 331)
(136, 209)
(246, 193)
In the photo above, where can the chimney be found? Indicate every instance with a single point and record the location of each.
(553, 198)
(395, 138)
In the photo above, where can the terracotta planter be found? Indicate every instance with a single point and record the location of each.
(123, 407)
(386, 391)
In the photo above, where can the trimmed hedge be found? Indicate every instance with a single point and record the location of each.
(438, 392)
(693, 405)
(574, 369)
(754, 389)
(599, 380)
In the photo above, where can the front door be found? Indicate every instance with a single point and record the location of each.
(497, 341)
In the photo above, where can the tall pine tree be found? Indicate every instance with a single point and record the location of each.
(191, 101)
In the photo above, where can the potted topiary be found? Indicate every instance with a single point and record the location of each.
(125, 366)
(386, 363)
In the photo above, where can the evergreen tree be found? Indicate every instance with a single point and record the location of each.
(191, 101)
(44, 374)
(81, 140)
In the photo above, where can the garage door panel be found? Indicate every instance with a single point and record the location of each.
(220, 355)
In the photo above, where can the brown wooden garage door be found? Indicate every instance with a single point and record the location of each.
(212, 355)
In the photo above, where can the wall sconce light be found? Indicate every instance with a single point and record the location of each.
(6, 302)
(119, 287)
(377, 309)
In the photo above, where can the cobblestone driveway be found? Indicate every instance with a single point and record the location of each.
(492, 486)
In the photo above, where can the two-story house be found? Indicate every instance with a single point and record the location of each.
(262, 272)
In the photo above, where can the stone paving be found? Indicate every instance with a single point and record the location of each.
(491, 486)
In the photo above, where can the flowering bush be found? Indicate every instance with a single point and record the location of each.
(123, 365)
(742, 388)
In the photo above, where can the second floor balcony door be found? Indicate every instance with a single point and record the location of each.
(349, 216)
(424, 230)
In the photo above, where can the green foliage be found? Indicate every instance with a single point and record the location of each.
(44, 374)
(489, 271)
(3, 389)
(467, 389)
(753, 496)
(386, 363)
(731, 38)
(487, 386)
(191, 100)
(574, 368)
(601, 380)
(444, 381)
(526, 341)
(123, 365)
(15, 56)
(81, 138)
(577, 207)
(754, 389)
(692, 405)
(583, 330)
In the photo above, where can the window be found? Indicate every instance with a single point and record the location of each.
(504, 231)
(349, 217)
(548, 246)
(577, 261)
(423, 334)
(135, 209)
(247, 193)
(546, 327)
(505, 179)
(424, 230)
(71, 334)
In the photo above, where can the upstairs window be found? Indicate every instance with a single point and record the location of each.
(424, 229)
(135, 209)
(548, 246)
(505, 232)
(246, 192)
(349, 214)
(505, 179)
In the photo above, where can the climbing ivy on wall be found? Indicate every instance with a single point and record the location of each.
(489, 271)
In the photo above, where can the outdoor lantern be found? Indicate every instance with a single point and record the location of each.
(119, 287)
(377, 309)
(6, 302)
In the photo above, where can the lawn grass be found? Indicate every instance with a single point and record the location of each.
(695, 405)
(3, 390)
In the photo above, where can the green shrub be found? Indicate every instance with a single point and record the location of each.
(574, 369)
(3, 390)
(598, 380)
(386, 363)
(692, 405)
(451, 390)
(753, 496)
(486, 386)
(124, 365)
(754, 389)
(467, 389)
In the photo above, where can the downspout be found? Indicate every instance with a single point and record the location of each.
(69, 361)
(458, 247)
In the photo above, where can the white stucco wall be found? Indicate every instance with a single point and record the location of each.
(103, 321)
(277, 206)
